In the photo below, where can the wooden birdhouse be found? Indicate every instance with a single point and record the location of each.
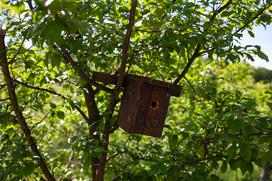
(144, 103)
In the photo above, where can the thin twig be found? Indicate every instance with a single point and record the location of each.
(173, 2)
(157, 70)
(17, 52)
(240, 29)
(4, 99)
(4, 112)
(29, 2)
(45, 116)
(219, 10)
(248, 22)
(191, 85)
(54, 93)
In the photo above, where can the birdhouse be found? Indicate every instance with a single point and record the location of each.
(144, 103)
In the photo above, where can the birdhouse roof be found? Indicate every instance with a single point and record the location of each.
(174, 90)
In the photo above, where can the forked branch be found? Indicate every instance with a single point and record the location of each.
(100, 172)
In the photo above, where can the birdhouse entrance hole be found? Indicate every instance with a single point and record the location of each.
(154, 104)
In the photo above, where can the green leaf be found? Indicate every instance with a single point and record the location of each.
(251, 33)
(231, 151)
(53, 106)
(86, 161)
(159, 12)
(226, 13)
(53, 113)
(224, 166)
(246, 166)
(172, 140)
(234, 164)
(214, 177)
(52, 32)
(99, 150)
(245, 151)
(250, 57)
(262, 55)
(247, 129)
(60, 114)
(55, 59)
(28, 168)
(236, 124)
(269, 105)
(266, 157)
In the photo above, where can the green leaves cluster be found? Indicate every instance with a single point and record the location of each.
(215, 131)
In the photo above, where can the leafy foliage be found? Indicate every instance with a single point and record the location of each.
(221, 122)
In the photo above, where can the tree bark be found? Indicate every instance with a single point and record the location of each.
(113, 102)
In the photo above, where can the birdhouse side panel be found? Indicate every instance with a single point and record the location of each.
(157, 111)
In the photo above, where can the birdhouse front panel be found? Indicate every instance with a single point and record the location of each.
(157, 110)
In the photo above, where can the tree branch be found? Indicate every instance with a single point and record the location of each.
(248, 22)
(81, 74)
(122, 68)
(198, 46)
(126, 44)
(102, 162)
(45, 116)
(92, 108)
(2, 86)
(189, 64)
(13, 99)
(93, 112)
